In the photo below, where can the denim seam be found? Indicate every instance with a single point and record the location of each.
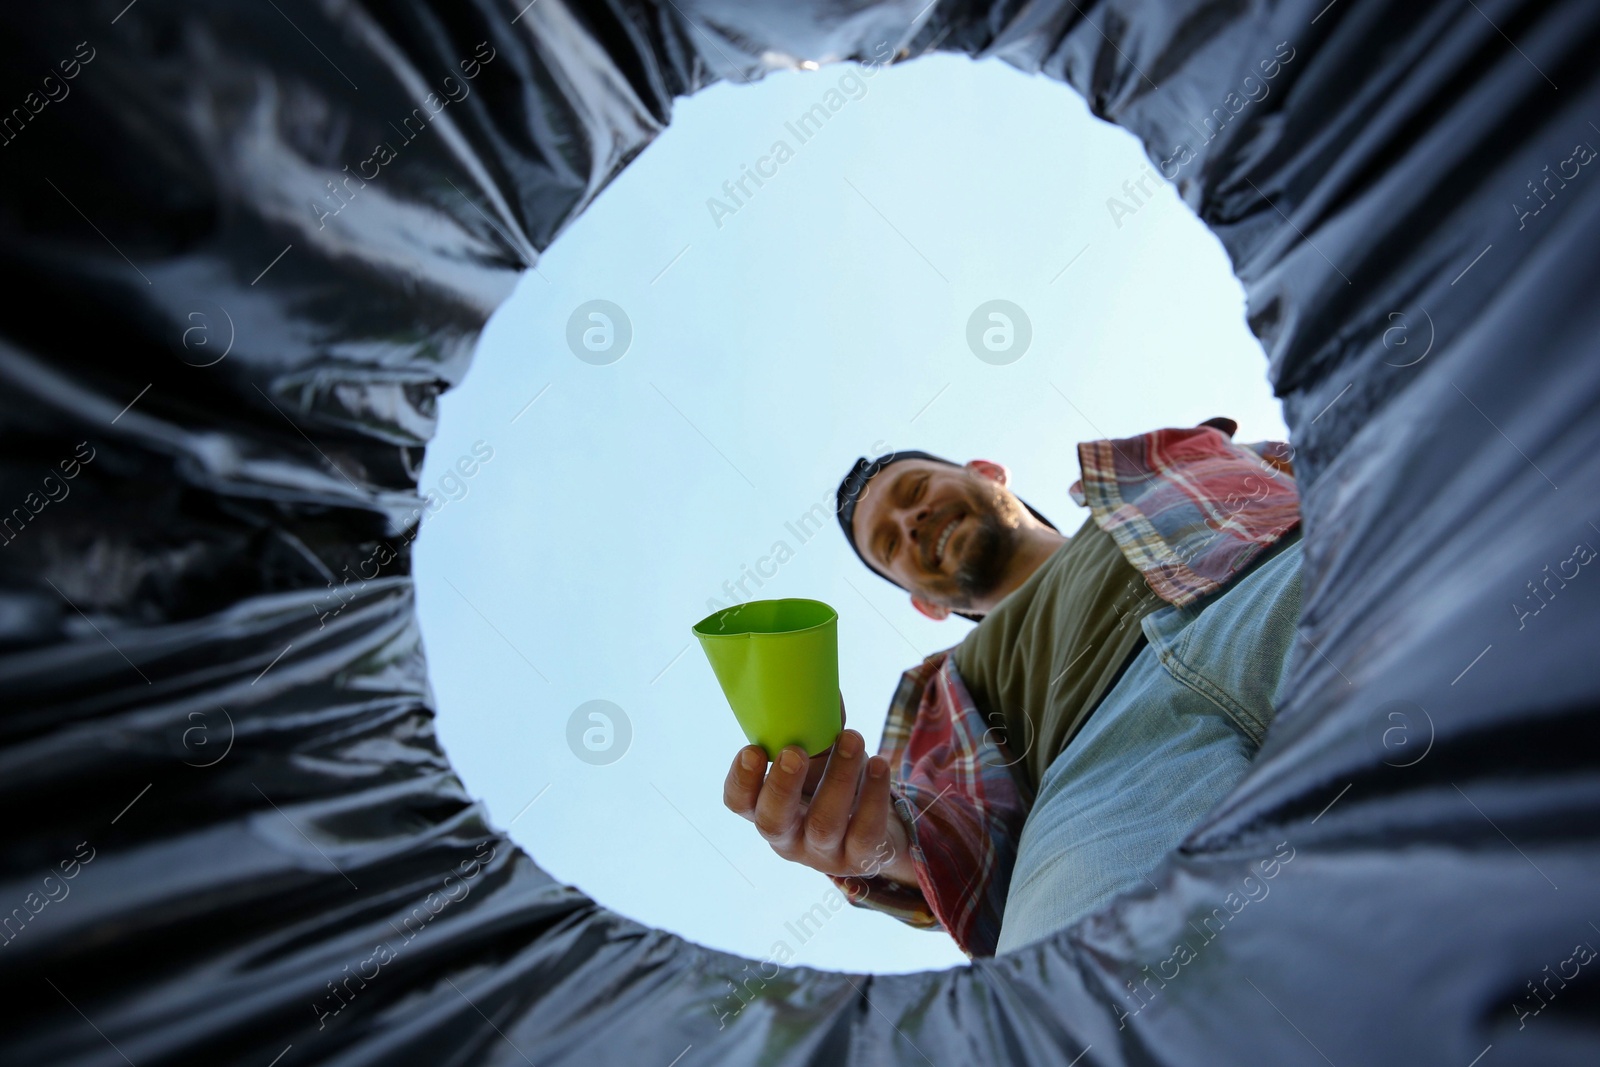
(1236, 712)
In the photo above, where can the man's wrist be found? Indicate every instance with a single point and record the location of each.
(903, 870)
(900, 867)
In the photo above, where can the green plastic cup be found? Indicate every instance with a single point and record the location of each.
(778, 664)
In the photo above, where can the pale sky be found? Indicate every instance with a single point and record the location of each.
(825, 318)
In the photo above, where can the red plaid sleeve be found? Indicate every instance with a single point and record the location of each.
(953, 788)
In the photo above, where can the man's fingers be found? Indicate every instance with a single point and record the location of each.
(743, 784)
(866, 843)
(828, 815)
(819, 762)
(778, 807)
(815, 768)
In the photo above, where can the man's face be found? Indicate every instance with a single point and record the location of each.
(944, 533)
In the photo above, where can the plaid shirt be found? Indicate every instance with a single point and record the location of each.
(1188, 508)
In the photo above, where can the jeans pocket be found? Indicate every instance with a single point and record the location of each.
(1219, 692)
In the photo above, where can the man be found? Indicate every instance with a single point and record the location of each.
(997, 808)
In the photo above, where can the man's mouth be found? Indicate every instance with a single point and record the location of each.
(939, 546)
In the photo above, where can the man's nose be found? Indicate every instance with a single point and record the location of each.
(911, 520)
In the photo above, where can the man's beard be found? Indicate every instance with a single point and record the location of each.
(989, 547)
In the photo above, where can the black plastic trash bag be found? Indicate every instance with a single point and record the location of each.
(247, 244)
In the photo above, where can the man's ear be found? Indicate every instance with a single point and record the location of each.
(936, 612)
(988, 468)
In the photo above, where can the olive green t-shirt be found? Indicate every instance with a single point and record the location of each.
(1037, 664)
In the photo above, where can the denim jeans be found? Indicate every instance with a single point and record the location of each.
(1164, 746)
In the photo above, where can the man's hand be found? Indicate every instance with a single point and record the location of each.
(820, 813)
